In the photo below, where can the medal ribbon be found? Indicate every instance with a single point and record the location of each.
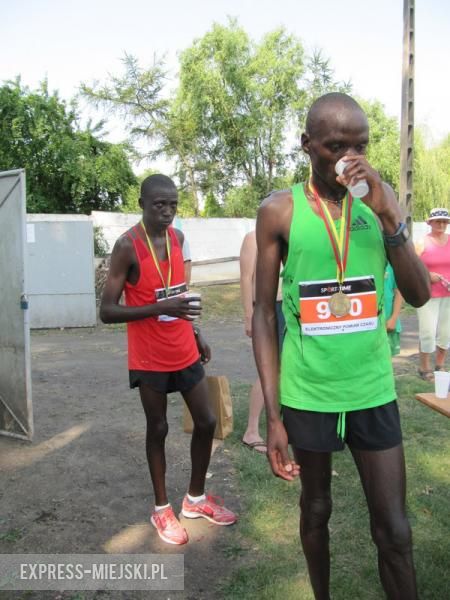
(339, 242)
(156, 261)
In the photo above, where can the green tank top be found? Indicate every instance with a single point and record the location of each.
(334, 364)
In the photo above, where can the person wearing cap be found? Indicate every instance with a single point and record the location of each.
(335, 383)
(434, 316)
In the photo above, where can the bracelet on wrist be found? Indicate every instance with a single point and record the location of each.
(398, 238)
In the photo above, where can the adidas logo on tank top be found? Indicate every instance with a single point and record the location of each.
(359, 224)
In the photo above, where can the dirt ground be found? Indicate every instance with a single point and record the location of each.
(82, 485)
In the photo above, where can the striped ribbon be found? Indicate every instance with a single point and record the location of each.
(156, 261)
(339, 241)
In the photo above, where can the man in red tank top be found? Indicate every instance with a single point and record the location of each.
(165, 351)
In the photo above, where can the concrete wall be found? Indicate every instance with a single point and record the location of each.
(61, 261)
(209, 239)
(61, 278)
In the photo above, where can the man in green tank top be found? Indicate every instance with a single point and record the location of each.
(335, 383)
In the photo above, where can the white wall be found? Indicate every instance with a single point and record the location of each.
(61, 278)
(209, 239)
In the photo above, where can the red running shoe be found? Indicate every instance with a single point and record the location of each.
(169, 527)
(209, 509)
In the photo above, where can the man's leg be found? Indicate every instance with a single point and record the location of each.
(315, 512)
(383, 478)
(428, 318)
(442, 332)
(202, 436)
(440, 355)
(155, 407)
(256, 404)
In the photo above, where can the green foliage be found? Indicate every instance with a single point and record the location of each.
(232, 124)
(136, 96)
(212, 207)
(384, 142)
(229, 123)
(242, 202)
(67, 170)
(100, 244)
(187, 205)
(241, 98)
(431, 176)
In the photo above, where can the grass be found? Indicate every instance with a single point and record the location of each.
(12, 535)
(220, 301)
(268, 560)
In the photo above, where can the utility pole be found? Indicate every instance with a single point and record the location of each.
(407, 117)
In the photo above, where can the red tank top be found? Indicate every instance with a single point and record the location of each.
(158, 343)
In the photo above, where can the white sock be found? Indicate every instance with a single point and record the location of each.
(196, 499)
(157, 508)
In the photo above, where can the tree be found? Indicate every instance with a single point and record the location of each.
(67, 170)
(230, 123)
(383, 151)
(212, 208)
(241, 97)
(431, 176)
(227, 122)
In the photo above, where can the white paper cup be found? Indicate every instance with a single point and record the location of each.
(360, 189)
(441, 384)
(195, 299)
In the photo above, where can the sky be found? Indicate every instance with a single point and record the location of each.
(70, 42)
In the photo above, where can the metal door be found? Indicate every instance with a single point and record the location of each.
(16, 416)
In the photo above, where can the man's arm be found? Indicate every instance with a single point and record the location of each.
(247, 265)
(111, 311)
(410, 273)
(265, 338)
(187, 258)
(413, 280)
(396, 309)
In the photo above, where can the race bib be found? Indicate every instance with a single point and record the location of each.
(172, 291)
(315, 314)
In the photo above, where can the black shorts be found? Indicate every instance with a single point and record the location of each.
(369, 429)
(281, 324)
(167, 382)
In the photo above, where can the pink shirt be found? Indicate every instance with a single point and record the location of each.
(436, 258)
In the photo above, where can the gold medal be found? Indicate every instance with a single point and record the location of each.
(339, 304)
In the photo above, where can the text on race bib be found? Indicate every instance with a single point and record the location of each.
(315, 314)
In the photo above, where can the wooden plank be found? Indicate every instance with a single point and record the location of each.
(440, 405)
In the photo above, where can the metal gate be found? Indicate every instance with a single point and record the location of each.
(16, 416)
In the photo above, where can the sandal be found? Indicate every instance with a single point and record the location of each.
(439, 368)
(258, 447)
(426, 375)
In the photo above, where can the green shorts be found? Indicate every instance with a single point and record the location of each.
(394, 342)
